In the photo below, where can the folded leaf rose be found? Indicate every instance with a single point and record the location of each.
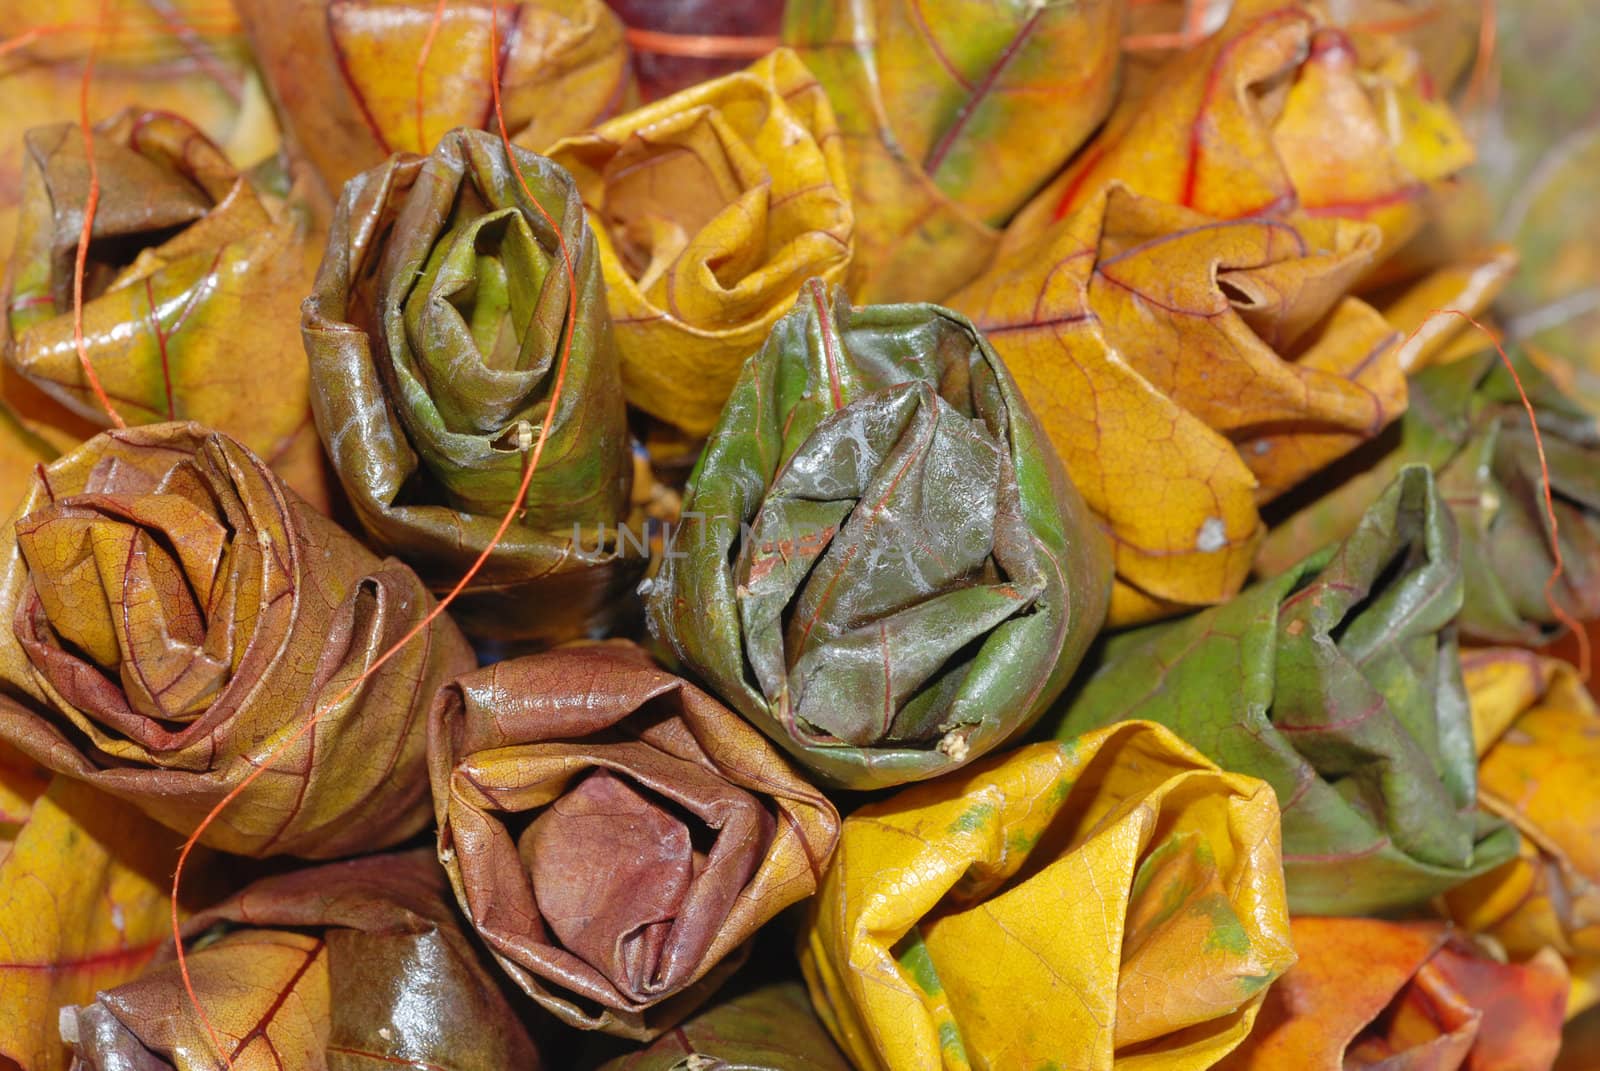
(1188, 369)
(1367, 993)
(952, 114)
(770, 1028)
(183, 248)
(344, 74)
(1280, 113)
(711, 207)
(174, 616)
(1338, 683)
(1538, 734)
(881, 562)
(353, 964)
(615, 834)
(1064, 905)
(1467, 423)
(445, 339)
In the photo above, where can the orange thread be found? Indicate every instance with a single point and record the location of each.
(450, 597)
(699, 45)
(81, 263)
(1558, 611)
(422, 64)
(1482, 88)
(1192, 33)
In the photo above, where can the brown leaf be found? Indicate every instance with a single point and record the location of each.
(174, 614)
(351, 965)
(614, 833)
(1187, 370)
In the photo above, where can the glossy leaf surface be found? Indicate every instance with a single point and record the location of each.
(174, 614)
(881, 563)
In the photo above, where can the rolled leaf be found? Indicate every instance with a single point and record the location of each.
(615, 834)
(183, 56)
(83, 902)
(357, 964)
(174, 615)
(952, 114)
(1338, 683)
(1187, 370)
(343, 73)
(1368, 993)
(440, 348)
(1538, 735)
(881, 562)
(184, 248)
(710, 208)
(771, 1028)
(1280, 113)
(1067, 904)
(1468, 424)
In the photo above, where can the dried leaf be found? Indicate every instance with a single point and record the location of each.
(183, 247)
(881, 562)
(1367, 993)
(1538, 734)
(615, 834)
(350, 965)
(83, 902)
(1337, 682)
(1113, 900)
(183, 56)
(1280, 113)
(438, 337)
(343, 73)
(768, 1029)
(1467, 423)
(1186, 370)
(710, 208)
(952, 113)
(175, 614)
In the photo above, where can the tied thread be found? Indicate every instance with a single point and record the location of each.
(417, 629)
(1552, 523)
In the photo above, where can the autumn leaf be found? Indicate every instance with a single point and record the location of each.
(1468, 424)
(710, 208)
(442, 351)
(83, 902)
(178, 615)
(770, 1028)
(1538, 735)
(1337, 682)
(186, 57)
(951, 114)
(184, 247)
(1280, 113)
(881, 562)
(1113, 900)
(343, 73)
(615, 834)
(1368, 993)
(1186, 370)
(357, 964)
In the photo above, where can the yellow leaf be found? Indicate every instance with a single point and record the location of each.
(1538, 736)
(710, 208)
(1113, 901)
